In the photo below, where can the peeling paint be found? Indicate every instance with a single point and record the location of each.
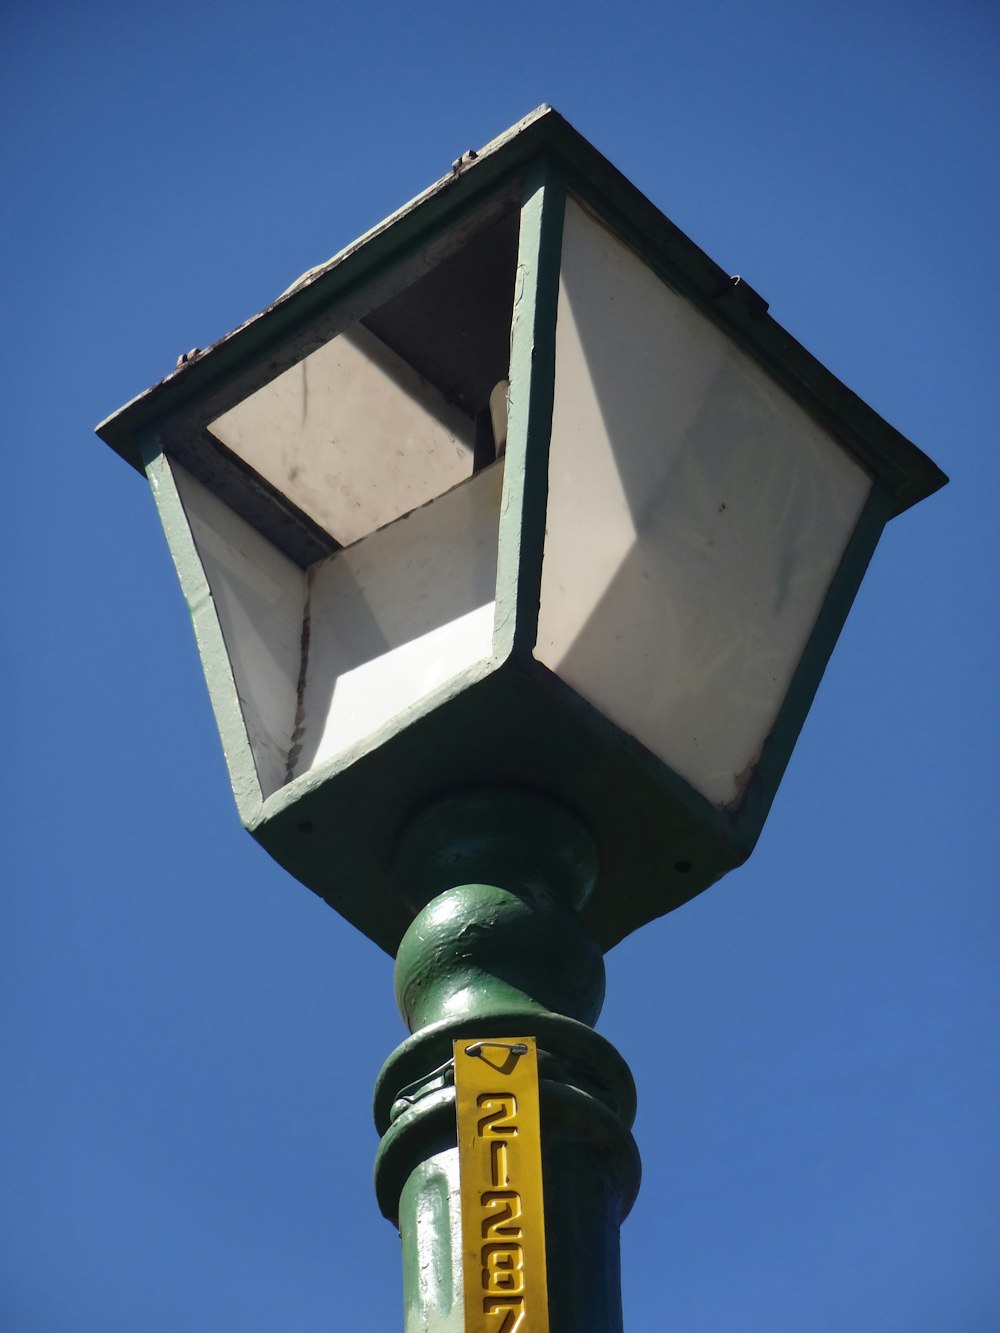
(741, 782)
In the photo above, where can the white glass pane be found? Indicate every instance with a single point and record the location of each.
(259, 596)
(397, 615)
(382, 624)
(696, 517)
(395, 409)
(352, 435)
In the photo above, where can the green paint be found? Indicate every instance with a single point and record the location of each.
(208, 632)
(519, 726)
(532, 378)
(505, 957)
(524, 952)
(777, 750)
(468, 838)
(519, 946)
(431, 1247)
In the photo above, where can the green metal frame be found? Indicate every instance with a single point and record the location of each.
(208, 635)
(508, 721)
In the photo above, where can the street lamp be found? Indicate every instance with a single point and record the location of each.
(516, 538)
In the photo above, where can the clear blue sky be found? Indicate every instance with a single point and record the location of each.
(189, 1038)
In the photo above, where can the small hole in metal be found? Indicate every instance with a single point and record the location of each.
(682, 867)
(305, 827)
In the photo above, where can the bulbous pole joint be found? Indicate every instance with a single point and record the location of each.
(497, 950)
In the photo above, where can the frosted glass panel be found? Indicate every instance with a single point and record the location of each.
(696, 517)
(259, 596)
(352, 435)
(398, 614)
(323, 658)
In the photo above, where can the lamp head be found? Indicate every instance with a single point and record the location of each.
(519, 490)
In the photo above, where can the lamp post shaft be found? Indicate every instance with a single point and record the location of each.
(503, 953)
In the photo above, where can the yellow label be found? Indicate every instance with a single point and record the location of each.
(500, 1175)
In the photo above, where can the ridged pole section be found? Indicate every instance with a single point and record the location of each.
(497, 949)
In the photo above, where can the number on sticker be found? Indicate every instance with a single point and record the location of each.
(505, 1210)
(501, 1120)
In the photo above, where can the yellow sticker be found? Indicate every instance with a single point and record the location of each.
(500, 1177)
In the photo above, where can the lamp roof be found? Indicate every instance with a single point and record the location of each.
(287, 329)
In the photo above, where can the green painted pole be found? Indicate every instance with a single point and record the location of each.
(497, 949)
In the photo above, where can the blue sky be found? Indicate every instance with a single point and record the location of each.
(189, 1037)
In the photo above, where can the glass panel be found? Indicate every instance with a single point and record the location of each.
(397, 615)
(322, 659)
(696, 517)
(394, 410)
(352, 436)
(259, 597)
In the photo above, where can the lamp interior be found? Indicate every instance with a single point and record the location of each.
(393, 410)
(381, 441)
